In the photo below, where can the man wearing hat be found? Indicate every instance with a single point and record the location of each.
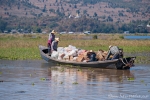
(91, 55)
(114, 51)
(51, 38)
(54, 45)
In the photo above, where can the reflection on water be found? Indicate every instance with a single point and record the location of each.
(38, 80)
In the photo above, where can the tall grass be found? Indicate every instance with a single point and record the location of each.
(20, 46)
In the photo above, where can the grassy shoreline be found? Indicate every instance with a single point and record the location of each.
(22, 47)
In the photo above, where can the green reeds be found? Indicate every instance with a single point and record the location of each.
(21, 46)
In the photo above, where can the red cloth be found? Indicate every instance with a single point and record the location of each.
(49, 43)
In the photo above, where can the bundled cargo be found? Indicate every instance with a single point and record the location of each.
(65, 53)
(101, 55)
(55, 54)
(71, 53)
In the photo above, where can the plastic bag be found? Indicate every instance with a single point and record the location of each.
(54, 55)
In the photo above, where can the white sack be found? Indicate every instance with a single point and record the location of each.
(54, 55)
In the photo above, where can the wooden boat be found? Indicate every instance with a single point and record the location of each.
(113, 64)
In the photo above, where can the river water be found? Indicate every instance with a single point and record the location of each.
(39, 80)
(134, 37)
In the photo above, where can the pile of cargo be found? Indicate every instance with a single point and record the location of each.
(71, 53)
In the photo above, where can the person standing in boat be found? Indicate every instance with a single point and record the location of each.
(51, 38)
(54, 45)
(114, 51)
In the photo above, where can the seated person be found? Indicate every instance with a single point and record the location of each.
(114, 51)
(92, 56)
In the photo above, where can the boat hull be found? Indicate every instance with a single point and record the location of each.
(111, 64)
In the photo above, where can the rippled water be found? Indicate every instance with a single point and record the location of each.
(39, 80)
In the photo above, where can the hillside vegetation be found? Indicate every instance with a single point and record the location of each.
(108, 16)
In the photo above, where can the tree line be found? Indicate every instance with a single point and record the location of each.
(75, 25)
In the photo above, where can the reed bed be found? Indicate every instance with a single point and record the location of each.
(22, 46)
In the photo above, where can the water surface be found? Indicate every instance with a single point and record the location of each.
(134, 37)
(39, 80)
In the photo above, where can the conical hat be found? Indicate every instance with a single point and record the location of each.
(110, 46)
(57, 39)
(91, 50)
(53, 31)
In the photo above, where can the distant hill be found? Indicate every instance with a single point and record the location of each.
(41, 11)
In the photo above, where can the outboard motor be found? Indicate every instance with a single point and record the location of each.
(125, 63)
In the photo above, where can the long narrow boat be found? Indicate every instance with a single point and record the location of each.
(113, 64)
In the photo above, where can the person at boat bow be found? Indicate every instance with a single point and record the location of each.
(51, 38)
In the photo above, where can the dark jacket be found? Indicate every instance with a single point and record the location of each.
(54, 46)
(51, 37)
(91, 56)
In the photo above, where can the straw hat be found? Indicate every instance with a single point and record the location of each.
(53, 31)
(91, 50)
(110, 46)
(57, 39)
